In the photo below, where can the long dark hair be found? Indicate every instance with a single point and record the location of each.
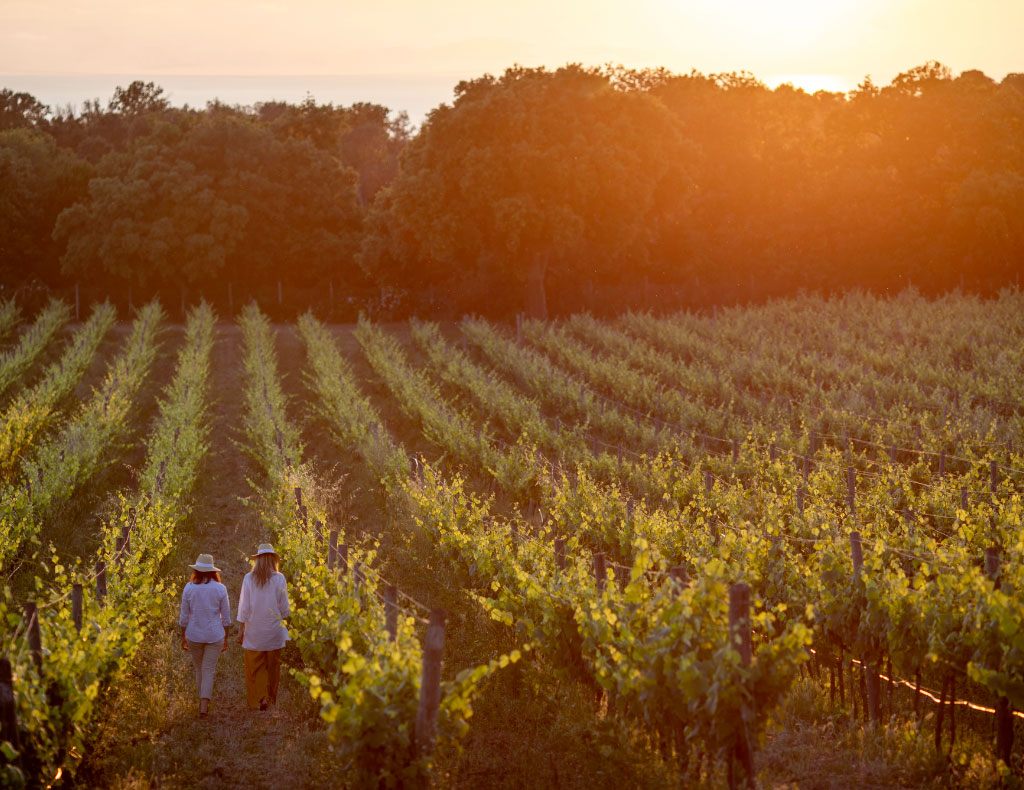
(203, 577)
(266, 565)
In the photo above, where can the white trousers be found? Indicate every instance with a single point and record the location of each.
(204, 658)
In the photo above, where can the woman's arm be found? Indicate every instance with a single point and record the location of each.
(225, 617)
(225, 610)
(183, 617)
(282, 598)
(243, 608)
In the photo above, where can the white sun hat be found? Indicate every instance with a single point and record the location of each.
(204, 562)
(265, 548)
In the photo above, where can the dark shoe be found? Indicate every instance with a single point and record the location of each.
(263, 704)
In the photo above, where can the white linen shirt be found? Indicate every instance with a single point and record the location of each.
(262, 609)
(205, 612)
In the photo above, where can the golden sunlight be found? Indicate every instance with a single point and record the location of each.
(784, 23)
(812, 83)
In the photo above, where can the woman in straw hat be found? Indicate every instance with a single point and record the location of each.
(204, 620)
(262, 605)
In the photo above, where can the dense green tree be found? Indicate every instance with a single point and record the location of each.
(139, 98)
(530, 176)
(224, 198)
(571, 186)
(129, 114)
(372, 146)
(364, 136)
(37, 181)
(21, 110)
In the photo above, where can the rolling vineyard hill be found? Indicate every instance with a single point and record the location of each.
(648, 550)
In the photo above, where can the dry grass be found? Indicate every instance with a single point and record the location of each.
(813, 746)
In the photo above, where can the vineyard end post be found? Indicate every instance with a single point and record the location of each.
(76, 605)
(430, 683)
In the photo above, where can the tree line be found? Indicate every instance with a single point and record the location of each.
(541, 190)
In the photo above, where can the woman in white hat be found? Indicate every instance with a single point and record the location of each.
(205, 619)
(262, 605)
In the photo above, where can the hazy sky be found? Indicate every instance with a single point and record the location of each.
(772, 38)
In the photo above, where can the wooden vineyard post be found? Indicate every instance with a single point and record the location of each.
(873, 685)
(942, 463)
(391, 610)
(841, 673)
(76, 606)
(600, 571)
(124, 546)
(735, 451)
(341, 559)
(1004, 714)
(805, 471)
(560, 554)
(739, 631)
(430, 684)
(963, 497)
(739, 620)
(800, 501)
(993, 483)
(298, 497)
(8, 706)
(101, 581)
(332, 549)
(992, 564)
(35, 644)
(709, 481)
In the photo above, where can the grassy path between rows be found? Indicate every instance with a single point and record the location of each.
(153, 738)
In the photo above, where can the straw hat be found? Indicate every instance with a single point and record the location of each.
(265, 548)
(204, 562)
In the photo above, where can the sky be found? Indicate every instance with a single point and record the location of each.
(425, 47)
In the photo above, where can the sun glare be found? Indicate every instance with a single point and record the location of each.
(783, 23)
(812, 83)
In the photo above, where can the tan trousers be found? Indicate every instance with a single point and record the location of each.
(262, 673)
